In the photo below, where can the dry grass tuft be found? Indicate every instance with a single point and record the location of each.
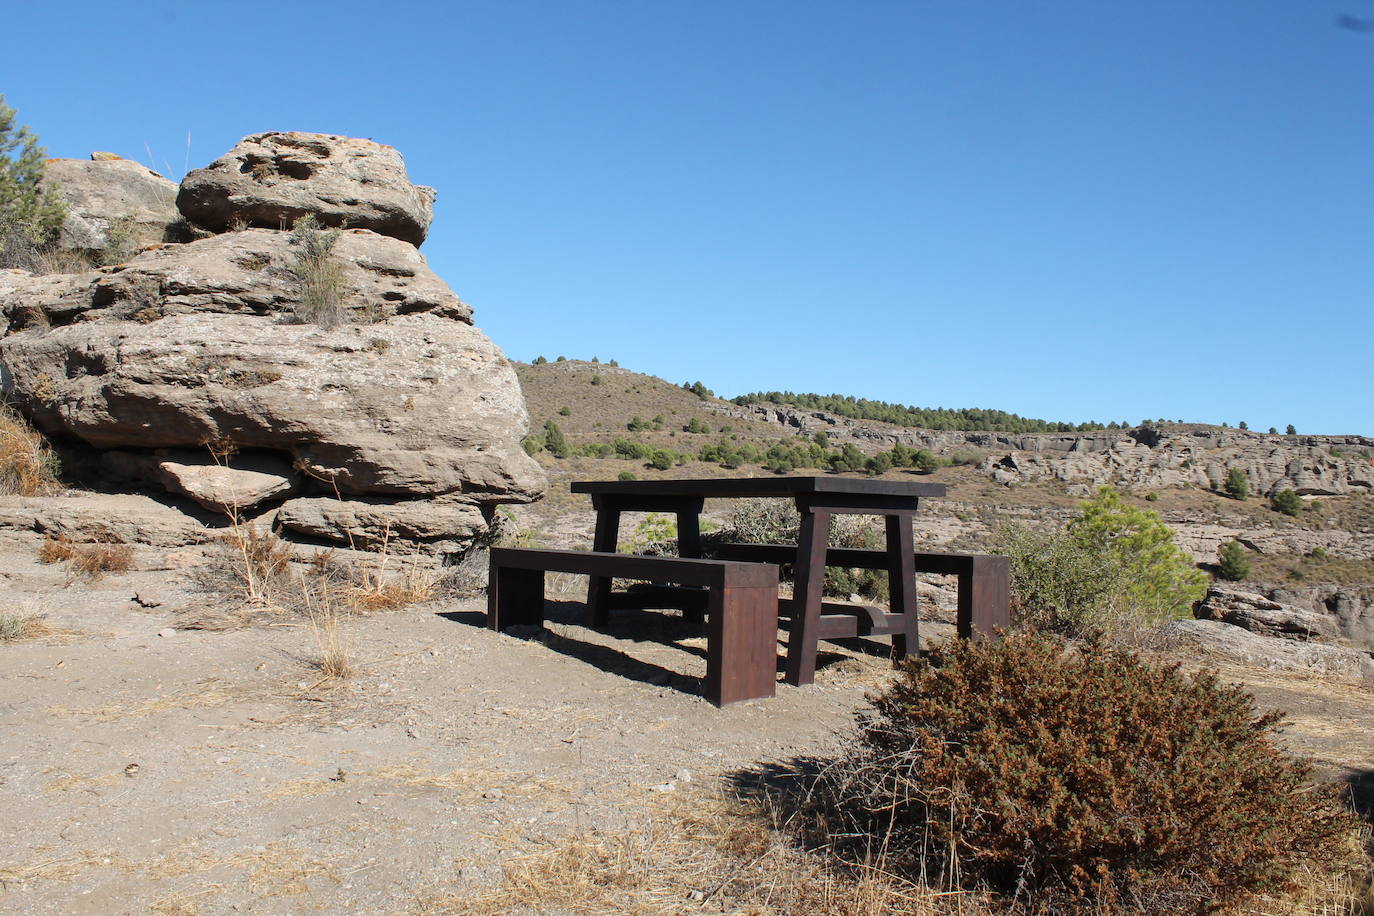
(704, 852)
(28, 465)
(17, 627)
(89, 560)
(334, 661)
(373, 589)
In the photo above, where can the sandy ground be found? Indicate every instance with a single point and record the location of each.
(213, 772)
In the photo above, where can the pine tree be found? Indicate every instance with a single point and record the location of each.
(554, 440)
(29, 218)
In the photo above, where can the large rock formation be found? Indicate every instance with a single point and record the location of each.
(381, 413)
(273, 179)
(111, 203)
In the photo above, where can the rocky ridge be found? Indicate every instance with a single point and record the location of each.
(1143, 458)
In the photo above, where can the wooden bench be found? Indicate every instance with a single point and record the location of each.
(741, 606)
(984, 604)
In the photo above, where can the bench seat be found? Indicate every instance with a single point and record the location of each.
(741, 603)
(984, 582)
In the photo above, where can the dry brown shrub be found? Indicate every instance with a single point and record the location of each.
(1077, 780)
(55, 550)
(28, 465)
(88, 560)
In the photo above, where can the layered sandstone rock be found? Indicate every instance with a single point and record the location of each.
(273, 179)
(192, 369)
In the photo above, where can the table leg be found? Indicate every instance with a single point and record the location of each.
(689, 543)
(605, 539)
(812, 542)
(901, 584)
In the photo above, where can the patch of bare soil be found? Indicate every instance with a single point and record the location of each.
(151, 770)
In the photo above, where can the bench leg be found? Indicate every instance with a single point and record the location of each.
(985, 598)
(515, 597)
(901, 584)
(741, 645)
(605, 539)
(807, 584)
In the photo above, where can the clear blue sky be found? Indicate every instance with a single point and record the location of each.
(1072, 210)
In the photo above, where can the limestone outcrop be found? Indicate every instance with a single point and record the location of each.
(270, 180)
(1241, 645)
(1143, 458)
(111, 202)
(380, 415)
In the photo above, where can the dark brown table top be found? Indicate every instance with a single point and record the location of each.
(749, 487)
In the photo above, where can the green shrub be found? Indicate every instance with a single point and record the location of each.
(1060, 585)
(533, 444)
(1287, 501)
(596, 379)
(565, 411)
(1237, 485)
(695, 425)
(1233, 563)
(1083, 780)
(1291, 430)
(661, 459)
(626, 475)
(555, 441)
(539, 361)
(1159, 580)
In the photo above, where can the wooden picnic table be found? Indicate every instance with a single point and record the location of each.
(817, 499)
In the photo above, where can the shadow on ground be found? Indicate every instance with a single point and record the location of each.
(667, 629)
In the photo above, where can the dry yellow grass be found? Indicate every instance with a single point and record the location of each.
(702, 852)
(705, 852)
(18, 627)
(28, 466)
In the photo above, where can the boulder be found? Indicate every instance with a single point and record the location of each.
(231, 490)
(112, 204)
(1259, 614)
(438, 525)
(271, 180)
(416, 405)
(122, 518)
(1249, 648)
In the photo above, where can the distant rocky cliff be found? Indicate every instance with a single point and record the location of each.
(1143, 458)
(190, 370)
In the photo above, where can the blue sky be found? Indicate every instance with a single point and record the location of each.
(1070, 210)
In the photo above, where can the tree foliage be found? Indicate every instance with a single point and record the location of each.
(1233, 563)
(1160, 580)
(1237, 485)
(29, 217)
(923, 417)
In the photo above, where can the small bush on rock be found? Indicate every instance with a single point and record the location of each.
(318, 274)
(1080, 780)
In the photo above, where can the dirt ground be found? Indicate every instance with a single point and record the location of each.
(151, 770)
